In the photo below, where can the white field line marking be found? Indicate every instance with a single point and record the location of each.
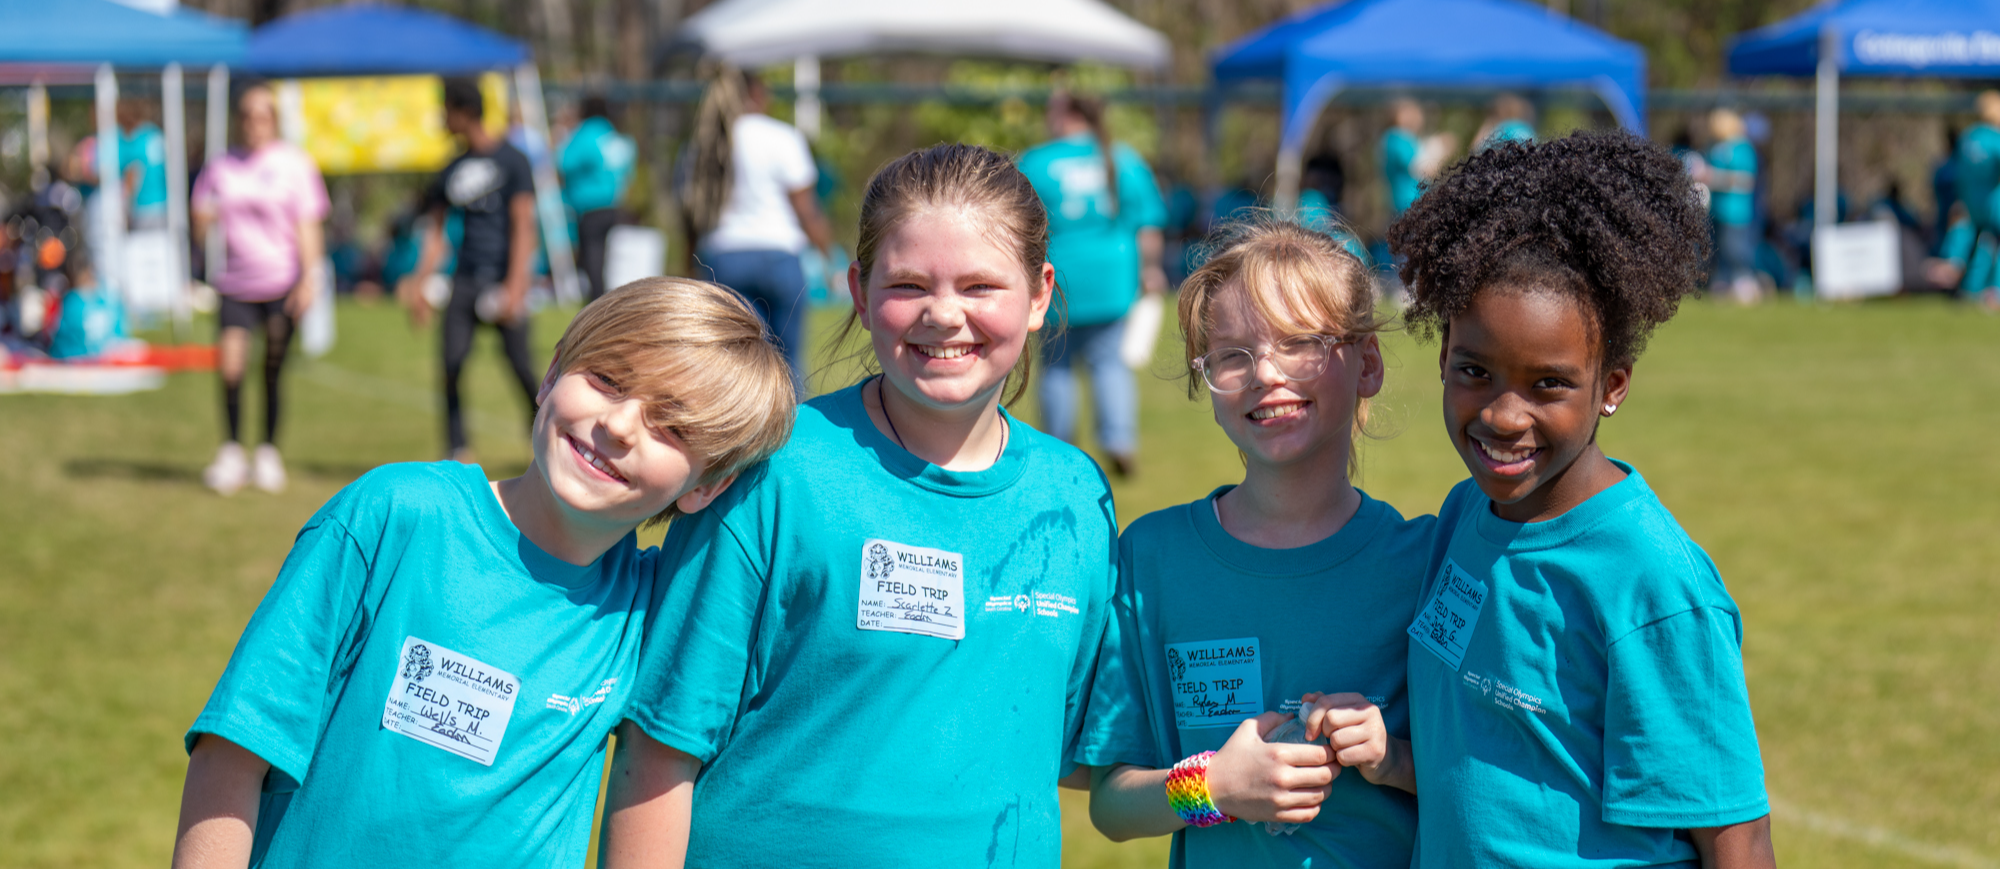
(395, 392)
(1887, 840)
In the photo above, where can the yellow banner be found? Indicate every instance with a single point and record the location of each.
(386, 123)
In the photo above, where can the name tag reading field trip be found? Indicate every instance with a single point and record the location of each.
(449, 701)
(1446, 622)
(912, 590)
(1217, 683)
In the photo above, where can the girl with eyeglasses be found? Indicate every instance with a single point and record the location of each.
(1234, 611)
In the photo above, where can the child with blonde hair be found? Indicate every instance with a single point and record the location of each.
(1235, 614)
(432, 677)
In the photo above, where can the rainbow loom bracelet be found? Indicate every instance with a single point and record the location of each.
(1187, 792)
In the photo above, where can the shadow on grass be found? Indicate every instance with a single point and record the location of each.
(132, 469)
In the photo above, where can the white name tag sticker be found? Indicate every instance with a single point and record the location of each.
(1446, 622)
(1217, 683)
(912, 590)
(447, 700)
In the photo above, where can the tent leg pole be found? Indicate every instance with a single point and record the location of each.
(805, 80)
(173, 112)
(109, 215)
(1286, 199)
(548, 193)
(38, 135)
(1826, 135)
(215, 144)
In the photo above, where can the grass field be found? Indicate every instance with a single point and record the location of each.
(1838, 463)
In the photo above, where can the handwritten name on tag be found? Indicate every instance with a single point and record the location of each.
(1216, 683)
(447, 700)
(1446, 622)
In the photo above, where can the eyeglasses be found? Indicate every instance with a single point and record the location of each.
(1229, 370)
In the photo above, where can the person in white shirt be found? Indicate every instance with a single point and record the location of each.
(746, 187)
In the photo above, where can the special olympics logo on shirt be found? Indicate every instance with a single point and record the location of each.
(880, 565)
(417, 665)
(1176, 665)
(471, 181)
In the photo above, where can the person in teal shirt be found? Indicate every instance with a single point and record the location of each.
(596, 166)
(1512, 119)
(1732, 184)
(877, 650)
(92, 319)
(1399, 154)
(1577, 696)
(433, 675)
(1978, 165)
(1105, 214)
(1208, 653)
(142, 162)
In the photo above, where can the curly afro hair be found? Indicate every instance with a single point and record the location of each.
(1606, 217)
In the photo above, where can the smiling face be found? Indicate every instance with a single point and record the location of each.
(1277, 421)
(603, 461)
(949, 308)
(1524, 386)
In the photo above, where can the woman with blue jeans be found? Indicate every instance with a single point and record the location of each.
(1105, 214)
(747, 187)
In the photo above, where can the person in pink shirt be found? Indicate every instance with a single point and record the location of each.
(268, 200)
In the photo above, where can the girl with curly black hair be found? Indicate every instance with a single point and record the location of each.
(1579, 697)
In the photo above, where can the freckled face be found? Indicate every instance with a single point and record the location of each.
(600, 456)
(1522, 396)
(948, 308)
(1277, 420)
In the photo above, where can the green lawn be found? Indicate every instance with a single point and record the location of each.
(1838, 463)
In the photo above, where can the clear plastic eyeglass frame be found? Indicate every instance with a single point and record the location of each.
(1298, 357)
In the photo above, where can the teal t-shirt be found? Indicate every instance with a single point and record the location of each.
(1732, 197)
(1979, 172)
(879, 661)
(1208, 630)
(1576, 689)
(1317, 214)
(1095, 247)
(146, 148)
(92, 318)
(1509, 131)
(596, 164)
(429, 687)
(1399, 158)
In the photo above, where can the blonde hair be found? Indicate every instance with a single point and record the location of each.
(700, 358)
(954, 177)
(1298, 280)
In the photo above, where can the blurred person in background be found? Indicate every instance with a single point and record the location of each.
(267, 199)
(746, 185)
(1732, 185)
(490, 188)
(1511, 119)
(1105, 219)
(596, 167)
(142, 161)
(1408, 157)
(1978, 173)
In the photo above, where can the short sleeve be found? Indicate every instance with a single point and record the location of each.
(1116, 728)
(520, 176)
(201, 197)
(272, 696)
(576, 155)
(1680, 747)
(697, 648)
(310, 200)
(1139, 199)
(795, 168)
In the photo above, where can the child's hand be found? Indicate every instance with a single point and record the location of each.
(1254, 780)
(1354, 731)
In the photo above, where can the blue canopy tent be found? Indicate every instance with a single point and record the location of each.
(373, 39)
(1399, 43)
(1930, 38)
(110, 36)
(368, 39)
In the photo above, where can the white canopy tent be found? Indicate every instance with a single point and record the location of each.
(761, 32)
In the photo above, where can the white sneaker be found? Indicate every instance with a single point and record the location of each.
(228, 472)
(267, 470)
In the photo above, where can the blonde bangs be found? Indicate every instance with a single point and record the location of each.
(702, 361)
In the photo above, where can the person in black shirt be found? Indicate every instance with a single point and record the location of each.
(491, 187)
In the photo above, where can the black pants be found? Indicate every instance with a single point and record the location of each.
(270, 317)
(593, 232)
(461, 319)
